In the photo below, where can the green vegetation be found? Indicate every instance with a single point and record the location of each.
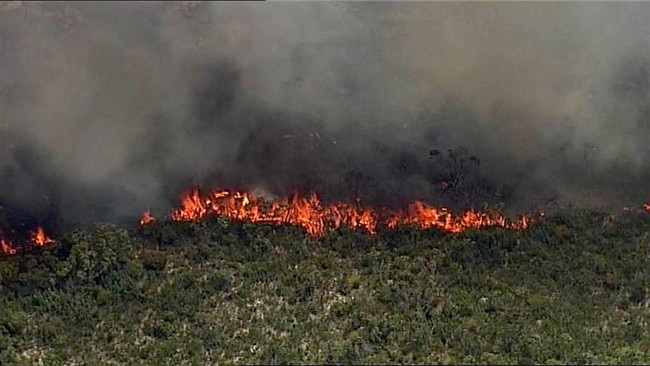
(571, 289)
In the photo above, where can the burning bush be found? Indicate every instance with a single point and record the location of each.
(317, 218)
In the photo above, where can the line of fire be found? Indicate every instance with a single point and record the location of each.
(309, 213)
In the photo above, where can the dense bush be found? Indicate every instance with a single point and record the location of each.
(93, 256)
(570, 289)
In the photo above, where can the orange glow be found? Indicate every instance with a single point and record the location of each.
(6, 247)
(647, 207)
(146, 218)
(37, 239)
(309, 213)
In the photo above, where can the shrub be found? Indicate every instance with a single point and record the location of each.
(94, 255)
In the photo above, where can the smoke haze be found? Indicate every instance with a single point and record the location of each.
(110, 108)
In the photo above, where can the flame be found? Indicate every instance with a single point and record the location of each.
(427, 217)
(37, 239)
(647, 207)
(147, 218)
(309, 213)
(6, 247)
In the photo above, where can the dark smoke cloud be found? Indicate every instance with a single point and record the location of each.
(110, 108)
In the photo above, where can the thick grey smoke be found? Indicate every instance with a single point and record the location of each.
(110, 108)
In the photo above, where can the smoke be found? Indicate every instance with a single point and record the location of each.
(107, 109)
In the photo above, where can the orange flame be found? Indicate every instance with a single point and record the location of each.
(7, 248)
(37, 239)
(309, 213)
(147, 218)
(427, 217)
(647, 207)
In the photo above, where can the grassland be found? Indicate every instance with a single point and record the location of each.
(571, 289)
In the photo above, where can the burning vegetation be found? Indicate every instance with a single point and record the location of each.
(310, 213)
(316, 218)
(37, 239)
(110, 109)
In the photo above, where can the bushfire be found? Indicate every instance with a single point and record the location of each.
(310, 213)
(317, 218)
(37, 239)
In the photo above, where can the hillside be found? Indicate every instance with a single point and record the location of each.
(570, 289)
